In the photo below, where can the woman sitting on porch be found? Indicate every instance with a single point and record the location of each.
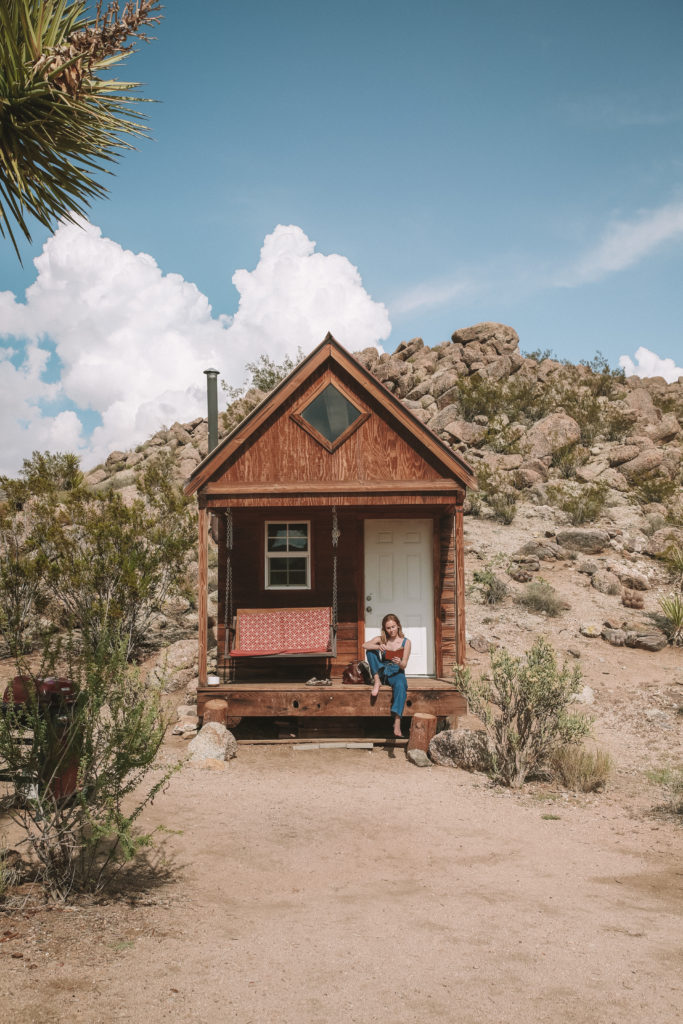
(387, 657)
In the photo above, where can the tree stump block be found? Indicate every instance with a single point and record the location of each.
(422, 731)
(216, 711)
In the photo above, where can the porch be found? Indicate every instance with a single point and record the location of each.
(290, 699)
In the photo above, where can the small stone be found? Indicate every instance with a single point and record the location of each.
(480, 644)
(575, 653)
(606, 582)
(589, 630)
(584, 696)
(419, 758)
(615, 637)
(589, 568)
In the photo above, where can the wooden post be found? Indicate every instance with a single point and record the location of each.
(422, 731)
(203, 597)
(216, 711)
(459, 582)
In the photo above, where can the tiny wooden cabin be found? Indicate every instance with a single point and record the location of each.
(331, 504)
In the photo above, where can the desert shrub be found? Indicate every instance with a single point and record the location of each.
(540, 596)
(567, 459)
(584, 505)
(616, 424)
(265, 375)
(492, 589)
(79, 780)
(602, 379)
(671, 781)
(647, 488)
(90, 561)
(503, 504)
(581, 769)
(673, 560)
(539, 354)
(498, 494)
(672, 616)
(524, 705)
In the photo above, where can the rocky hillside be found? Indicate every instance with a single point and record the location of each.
(591, 461)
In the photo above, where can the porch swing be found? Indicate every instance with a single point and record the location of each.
(280, 632)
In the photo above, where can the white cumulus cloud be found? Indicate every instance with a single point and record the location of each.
(625, 243)
(132, 342)
(649, 364)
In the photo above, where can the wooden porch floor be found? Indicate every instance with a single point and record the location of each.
(298, 700)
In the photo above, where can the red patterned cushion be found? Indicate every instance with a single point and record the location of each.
(282, 631)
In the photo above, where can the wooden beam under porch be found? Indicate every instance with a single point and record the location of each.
(298, 700)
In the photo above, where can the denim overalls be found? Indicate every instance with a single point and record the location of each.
(391, 673)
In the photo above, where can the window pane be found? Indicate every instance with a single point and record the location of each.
(287, 572)
(277, 573)
(298, 537)
(330, 413)
(296, 572)
(277, 536)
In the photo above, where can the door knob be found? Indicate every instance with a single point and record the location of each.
(368, 608)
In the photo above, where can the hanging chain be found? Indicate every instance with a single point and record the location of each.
(336, 533)
(227, 603)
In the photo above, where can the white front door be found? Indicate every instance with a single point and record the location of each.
(399, 579)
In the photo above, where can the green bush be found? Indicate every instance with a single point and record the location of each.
(90, 561)
(567, 459)
(491, 588)
(540, 596)
(653, 487)
(584, 505)
(671, 780)
(77, 790)
(581, 769)
(524, 705)
(498, 494)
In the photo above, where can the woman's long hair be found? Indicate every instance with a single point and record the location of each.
(390, 615)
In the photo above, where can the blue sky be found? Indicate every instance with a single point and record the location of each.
(519, 162)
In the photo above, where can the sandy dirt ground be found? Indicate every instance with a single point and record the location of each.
(331, 886)
(346, 885)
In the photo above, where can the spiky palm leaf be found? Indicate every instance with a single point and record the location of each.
(60, 123)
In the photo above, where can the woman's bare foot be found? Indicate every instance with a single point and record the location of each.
(397, 729)
(375, 689)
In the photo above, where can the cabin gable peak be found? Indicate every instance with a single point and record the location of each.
(330, 418)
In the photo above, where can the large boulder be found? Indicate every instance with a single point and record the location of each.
(549, 434)
(663, 539)
(461, 748)
(502, 337)
(178, 664)
(646, 462)
(212, 741)
(590, 542)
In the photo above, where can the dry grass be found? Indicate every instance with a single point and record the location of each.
(580, 769)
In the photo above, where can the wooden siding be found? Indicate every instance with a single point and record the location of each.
(280, 450)
(249, 590)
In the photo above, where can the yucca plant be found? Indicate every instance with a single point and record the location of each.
(61, 124)
(672, 609)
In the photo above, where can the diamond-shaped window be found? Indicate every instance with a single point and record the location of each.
(330, 413)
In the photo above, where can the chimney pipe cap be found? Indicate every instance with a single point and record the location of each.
(212, 371)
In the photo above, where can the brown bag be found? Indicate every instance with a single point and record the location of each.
(353, 675)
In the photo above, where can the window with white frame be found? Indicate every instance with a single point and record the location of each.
(288, 556)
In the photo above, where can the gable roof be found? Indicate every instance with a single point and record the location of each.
(330, 352)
